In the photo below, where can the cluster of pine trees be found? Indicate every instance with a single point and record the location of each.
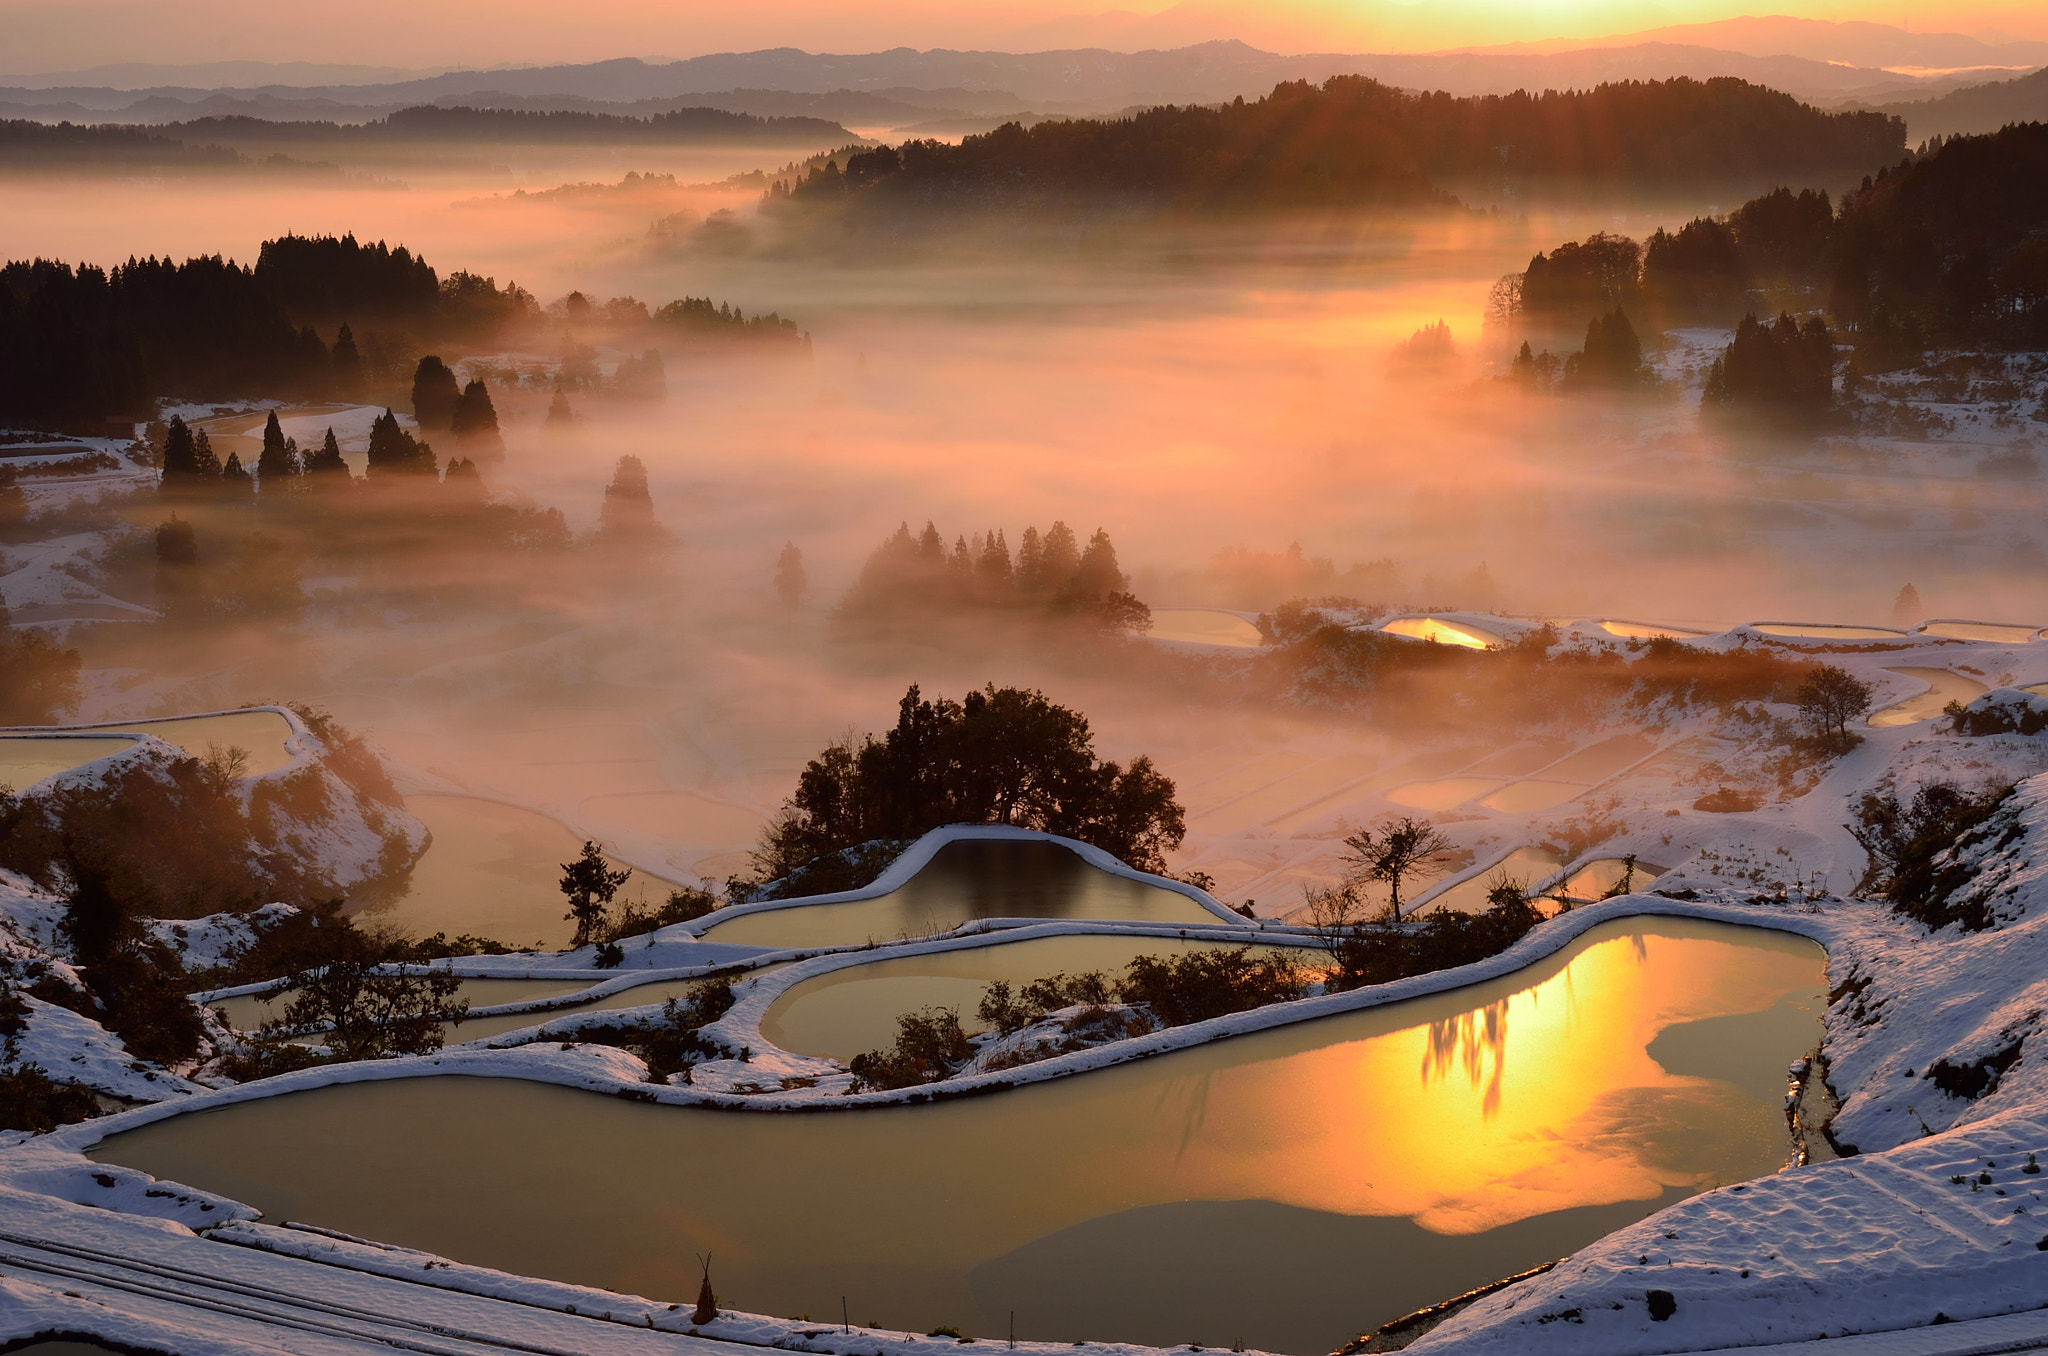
(1610, 360)
(235, 545)
(1946, 246)
(79, 346)
(698, 315)
(912, 575)
(1785, 370)
(1353, 141)
(1703, 274)
(83, 346)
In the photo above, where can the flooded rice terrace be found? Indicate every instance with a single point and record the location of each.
(1283, 1189)
(963, 881)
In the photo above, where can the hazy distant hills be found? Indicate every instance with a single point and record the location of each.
(1977, 108)
(906, 86)
(1876, 46)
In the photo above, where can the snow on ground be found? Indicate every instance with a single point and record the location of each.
(203, 943)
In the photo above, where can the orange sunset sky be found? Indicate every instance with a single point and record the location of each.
(60, 35)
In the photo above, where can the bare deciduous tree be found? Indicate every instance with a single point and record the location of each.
(1397, 851)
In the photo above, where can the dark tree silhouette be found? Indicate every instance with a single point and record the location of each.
(279, 464)
(475, 422)
(1829, 699)
(1397, 851)
(326, 467)
(347, 364)
(627, 514)
(393, 451)
(1002, 756)
(1784, 371)
(1612, 358)
(434, 394)
(590, 885)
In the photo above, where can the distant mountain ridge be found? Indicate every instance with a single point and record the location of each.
(1082, 81)
(1858, 43)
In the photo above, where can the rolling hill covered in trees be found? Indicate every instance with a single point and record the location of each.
(81, 345)
(1944, 247)
(1354, 142)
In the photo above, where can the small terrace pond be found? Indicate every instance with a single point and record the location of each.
(974, 878)
(1285, 1189)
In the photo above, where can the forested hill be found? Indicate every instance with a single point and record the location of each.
(1950, 246)
(79, 346)
(1353, 141)
(432, 123)
(26, 144)
(210, 142)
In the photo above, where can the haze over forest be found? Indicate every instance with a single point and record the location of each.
(539, 499)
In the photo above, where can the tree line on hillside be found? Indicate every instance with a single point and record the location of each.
(80, 346)
(1001, 756)
(436, 122)
(1945, 247)
(912, 576)
(26, 144)
(1355, 142)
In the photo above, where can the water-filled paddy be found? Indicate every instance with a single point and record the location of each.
(1943, 687)
(1631, 630)
(27, 759)
(841, 1014)
(640, 995)
(1285, 1189)
(1462, 634)
(1826, 631)
(250, 1011)
(492, 870)
(1526, 867)
(1999, 632)
(1444, 792)
(260, 734)
(965, 880)
(1204, 626)
(1524, 797)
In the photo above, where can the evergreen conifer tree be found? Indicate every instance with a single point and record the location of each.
(279, 462)
(1059, 556)
(393, 451)
(181, 456)
(203, 457)
(790, 582)
(327, 467)
(347, 364)
(434, 393)
(235, 484)
(627, 514)
(1030, 562)
(1096, 576)
(475, 422)
(559, 413)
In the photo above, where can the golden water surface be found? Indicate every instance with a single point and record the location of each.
(1286, 1188)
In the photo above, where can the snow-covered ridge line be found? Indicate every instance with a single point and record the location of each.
(918, 854)
(604, 1069)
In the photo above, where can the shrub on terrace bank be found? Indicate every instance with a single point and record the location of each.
(1002, 756)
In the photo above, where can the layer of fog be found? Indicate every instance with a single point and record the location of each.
(1189, 392)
